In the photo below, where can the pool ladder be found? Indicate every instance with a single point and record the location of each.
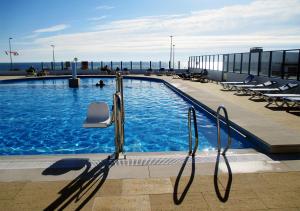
(192, 112)
(194, 150)
(219, 129)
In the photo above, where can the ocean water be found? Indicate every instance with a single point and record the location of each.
(96, 65)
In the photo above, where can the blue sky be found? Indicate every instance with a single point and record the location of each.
(139, 30)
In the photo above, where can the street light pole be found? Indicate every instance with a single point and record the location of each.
(53, 46)
(170, 63)
(11, 62)
(173, 56)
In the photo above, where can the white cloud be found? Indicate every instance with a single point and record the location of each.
(97, 18)
(55, 28)
(104, 7)
(272, 24)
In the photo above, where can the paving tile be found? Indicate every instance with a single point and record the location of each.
(121, 172)
(9, 190)
(7, 205)
(110, 188)
(199, 184)
(245, 181)
(146, 186)
(283, 181)
(192, 201)
(35, 196)
(124, 203)
(284, 209)
(54, 195)
(38, 195)
(276, 198)
(238, 202)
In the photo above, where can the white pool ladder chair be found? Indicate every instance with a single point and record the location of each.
(98, 116)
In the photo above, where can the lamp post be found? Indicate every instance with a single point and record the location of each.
(53, 58)
(171, 51)
(173, 56)
(11, 62)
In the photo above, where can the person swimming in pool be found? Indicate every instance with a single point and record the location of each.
(100, 84)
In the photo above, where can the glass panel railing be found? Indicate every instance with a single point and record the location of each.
(225, 63)
(126, 65)
(276, 63)
(200, 62)
(237, 63)
(97, 65)
(265, 63)
(211, 62)
(291, 64)
(245, 62)
(283, 63)
(254, 63)
(155, 65)
(230, 64)
(204, 62)
(220, 63)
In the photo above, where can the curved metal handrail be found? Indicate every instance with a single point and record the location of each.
(193, 152)
(219, 129)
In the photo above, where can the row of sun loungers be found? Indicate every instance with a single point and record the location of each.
(270, 91)
(197, 76)
(160, 72)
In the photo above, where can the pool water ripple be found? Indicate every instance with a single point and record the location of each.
(45, 117)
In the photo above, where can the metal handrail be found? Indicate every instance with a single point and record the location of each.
(119, 124)
(219, 129)
(192, 152)
(119, 88)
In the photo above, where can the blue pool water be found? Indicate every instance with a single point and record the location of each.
(46, 116)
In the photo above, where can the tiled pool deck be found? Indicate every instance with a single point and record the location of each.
(244, 180)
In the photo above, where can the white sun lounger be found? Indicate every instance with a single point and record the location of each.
(230, 84)
(244, 87)
(260, 91)
(98, 116)
(278, 99)
(294, 100)
(282, 95)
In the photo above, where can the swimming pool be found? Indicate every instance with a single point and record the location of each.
(46, 116)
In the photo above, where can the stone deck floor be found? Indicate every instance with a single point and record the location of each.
(248, 181)
(263, 191)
